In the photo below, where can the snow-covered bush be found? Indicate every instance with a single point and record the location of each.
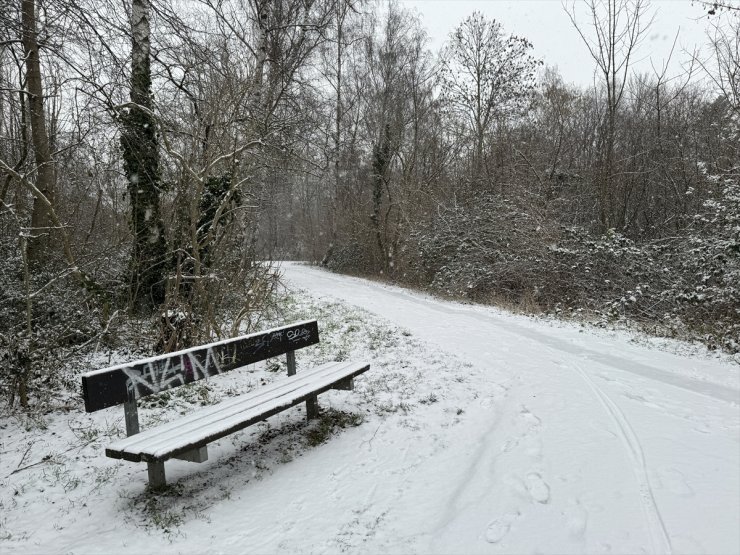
(350, 257)
(493, 251)
(45, 320)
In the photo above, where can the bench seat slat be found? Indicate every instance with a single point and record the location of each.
(216, 425)
(184, 429)
(224, 408)
(211, 423)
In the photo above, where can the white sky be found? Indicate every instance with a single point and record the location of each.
(546, 25)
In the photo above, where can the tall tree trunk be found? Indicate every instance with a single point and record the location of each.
(381, 163)
(341, 13)
(141, 164)
(258, 99)
(258, 108)
(40, 219)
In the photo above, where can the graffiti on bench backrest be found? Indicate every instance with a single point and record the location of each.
(265, 341)
(115, 385)
(165, 374)
(300, 334)
(161, 375)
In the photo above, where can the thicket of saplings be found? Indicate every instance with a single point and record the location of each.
(616, 202)
(51, 325)
(134, 154)
(532, 234)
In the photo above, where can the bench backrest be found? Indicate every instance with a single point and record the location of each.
(118, 384)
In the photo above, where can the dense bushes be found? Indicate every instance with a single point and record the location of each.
(492, 250)
(612, 207)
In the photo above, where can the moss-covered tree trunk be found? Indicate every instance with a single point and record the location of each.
(141, 164)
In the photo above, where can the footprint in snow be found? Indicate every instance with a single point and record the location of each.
(534, 448)
(538, 488)
(528, 417)
(641, 399)
(486, 402)
(675, 482)
(498, 528)
(576, 520)
(508, 445)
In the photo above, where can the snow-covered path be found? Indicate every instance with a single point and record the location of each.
(481, 432)
(577, 441)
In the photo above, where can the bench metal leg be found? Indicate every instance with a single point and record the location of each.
(347, 385)
(157, 479)
(290, 356)
(131, 414)
(312, 407)
(198, 455)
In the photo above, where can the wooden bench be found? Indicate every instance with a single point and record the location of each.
(188, 437)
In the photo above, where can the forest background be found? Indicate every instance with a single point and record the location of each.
(155, 156)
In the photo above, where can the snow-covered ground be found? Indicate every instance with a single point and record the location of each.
(475, 431)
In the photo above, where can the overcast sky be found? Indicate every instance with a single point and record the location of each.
(546, 25)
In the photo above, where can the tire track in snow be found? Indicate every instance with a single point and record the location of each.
(656, 526)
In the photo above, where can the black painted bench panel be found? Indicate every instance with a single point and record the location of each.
(112, 386)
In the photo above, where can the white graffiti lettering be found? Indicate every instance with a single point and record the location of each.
(302, 334)
(211, 367)
(261, 343)
(155, 378)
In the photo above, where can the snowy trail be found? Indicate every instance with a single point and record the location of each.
(346, 288)
(634, 447)
(483, 432)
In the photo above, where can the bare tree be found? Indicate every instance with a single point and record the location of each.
(40, 219)
(618, 27)
(724, 66)
(485, 75)
(343, 36)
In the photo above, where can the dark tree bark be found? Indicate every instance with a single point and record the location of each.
(40, 218)
(381, 163)
(141, 164)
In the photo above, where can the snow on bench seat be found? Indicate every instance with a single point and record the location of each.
(216, 421)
